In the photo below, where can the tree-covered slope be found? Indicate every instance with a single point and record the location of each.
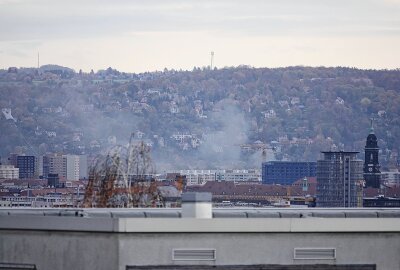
(201, 118)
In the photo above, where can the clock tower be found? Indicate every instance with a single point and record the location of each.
(372, 173)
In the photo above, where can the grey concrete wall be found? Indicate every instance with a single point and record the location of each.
(60, 250)
(86, 250)
(382, 249)
(100, 239)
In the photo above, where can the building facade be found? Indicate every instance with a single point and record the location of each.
(72, 163)
(65, 166)
(53, 180)
(381, 202)
(339, 180)
(26, 166)
(54, 164)
(391, 178)
(286, 172)
(9, 172)
(12, 159)
(162, 239)
(372, 173)
(200, 177)
(83, 167)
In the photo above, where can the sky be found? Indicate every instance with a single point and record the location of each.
(139, 36)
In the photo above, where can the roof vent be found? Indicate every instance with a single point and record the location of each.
(196, 205)
(314, 253)
(193, 255)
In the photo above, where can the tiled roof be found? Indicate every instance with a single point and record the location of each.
(230, 188)
(393, 192)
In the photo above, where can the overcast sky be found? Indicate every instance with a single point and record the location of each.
(137, 36)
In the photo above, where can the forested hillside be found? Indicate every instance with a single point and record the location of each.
(221, 118)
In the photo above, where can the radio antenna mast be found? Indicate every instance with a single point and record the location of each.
(212, 58)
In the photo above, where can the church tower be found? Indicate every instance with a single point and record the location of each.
(372, 173)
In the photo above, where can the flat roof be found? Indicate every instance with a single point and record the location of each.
(225, 220)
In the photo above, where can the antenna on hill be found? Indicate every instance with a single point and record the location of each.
(38, 61)
(212, 58)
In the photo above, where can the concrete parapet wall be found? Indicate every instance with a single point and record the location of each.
(84, 250)
(115, 239)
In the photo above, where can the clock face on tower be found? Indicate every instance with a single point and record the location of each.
(371, 162)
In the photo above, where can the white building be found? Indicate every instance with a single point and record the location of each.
(197, 177)
(242, 175)
(200, 177)
(9, 172)
(72, 167)
(391, 178)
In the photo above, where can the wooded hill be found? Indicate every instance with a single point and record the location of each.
(200, 118)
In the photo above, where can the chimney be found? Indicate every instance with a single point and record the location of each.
(196, 205)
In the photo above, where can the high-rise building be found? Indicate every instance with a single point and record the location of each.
(26, 166)
(339, 175)
(12, 159)
(286, 172)
(372, 173)
(65, 166)
(83, 167)
(39, 166)
(54, 164)
(72, 162)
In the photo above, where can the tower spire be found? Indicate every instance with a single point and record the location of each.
(372, 126)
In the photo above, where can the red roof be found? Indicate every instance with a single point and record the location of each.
(393, 192)
(25, 182)
(45, 191)
(297, 187)
(230, 188)
(310, 180)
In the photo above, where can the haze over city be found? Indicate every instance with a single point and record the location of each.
(139, 36)
(201, 135)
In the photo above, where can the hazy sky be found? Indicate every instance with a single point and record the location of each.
(138, 36)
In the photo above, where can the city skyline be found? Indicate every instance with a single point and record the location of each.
(153, 35)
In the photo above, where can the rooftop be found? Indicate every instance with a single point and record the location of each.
(340, 152)
(224, 220)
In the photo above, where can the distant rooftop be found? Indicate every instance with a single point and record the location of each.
(340, 152)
